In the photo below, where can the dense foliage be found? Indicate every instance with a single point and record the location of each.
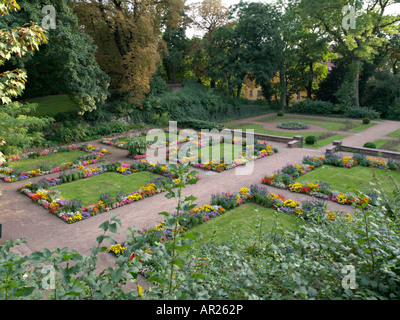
(79, 74)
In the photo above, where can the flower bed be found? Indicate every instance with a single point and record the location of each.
(293, 125)
(123, 140)
(222, 204)
(285, 178)
(72, 211)
(137, 148)
(12, 175)
(259, 150)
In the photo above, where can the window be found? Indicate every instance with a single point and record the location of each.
(251, 94)
(258, 94)
(298, 96)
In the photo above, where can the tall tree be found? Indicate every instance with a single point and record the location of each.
(372, 29)
(208, 15)
(227, 65)
(14, 125)
(129, 36)
(67, 62)
(258, 29)
(176, 43)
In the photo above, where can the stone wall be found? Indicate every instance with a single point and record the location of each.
(339, 146)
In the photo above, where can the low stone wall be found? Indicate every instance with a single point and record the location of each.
(339, 146)
(294, 142)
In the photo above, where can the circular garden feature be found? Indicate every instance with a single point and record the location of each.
(293, 125)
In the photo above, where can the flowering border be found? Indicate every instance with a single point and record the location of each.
(221, 204)
(285, 178)
(93, 156)
(115, 141)
(120, 141)
(219, 166)
(71, 213)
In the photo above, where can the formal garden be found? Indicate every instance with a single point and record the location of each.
(142, 168)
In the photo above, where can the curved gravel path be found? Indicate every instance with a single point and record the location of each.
(22, 218)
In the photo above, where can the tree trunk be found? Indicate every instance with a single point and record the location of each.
(310, 81)
(173, 70)
(356, 94)
(282, 79)
(212, 84)
(239, 90)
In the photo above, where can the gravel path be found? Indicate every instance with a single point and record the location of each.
(22, 218)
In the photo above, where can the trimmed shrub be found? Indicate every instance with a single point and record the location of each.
(280, 114)
(199, 124)
(370, 145)
(366, 120)
(313, 107)
(293, 125)
(311, 140)
(361, 112)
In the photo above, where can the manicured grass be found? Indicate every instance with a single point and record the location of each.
(219, 151)
(325, 142)
(89, 190)
(226, 151)
(51, 105)
(320, 143)
(361, 127)
(395, 133)
(358, 177)
(259, 129)
(385, 144)
(51, 160)
(380, 142)
(244, 220)
(329, 125)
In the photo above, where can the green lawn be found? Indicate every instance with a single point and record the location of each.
(244, 220)
(259, 129)
(330, 125)
(386, 144)
(217, 151)
(325, 142)
(89, 190)
(51, 105)
(394, 133)
(358, 177)
(361, 127)
(51, 160)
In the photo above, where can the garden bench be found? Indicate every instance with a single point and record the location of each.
(293, 143)
(331, 149)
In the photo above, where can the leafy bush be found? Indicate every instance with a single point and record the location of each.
(293, 125)
(199, 124)
(366, 120)
(383, 94)
(311, 140)
(137, 146)
(361, 112)
(370, 145)
(280, 114)
(161, 119)
(80, 131)
(309, 106)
